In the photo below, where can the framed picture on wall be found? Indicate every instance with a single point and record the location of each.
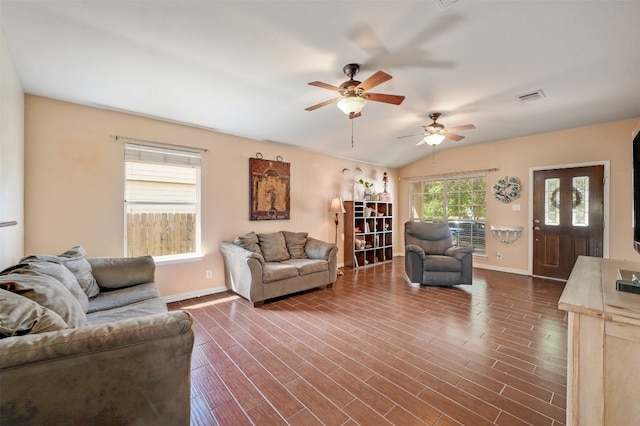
(269, 189)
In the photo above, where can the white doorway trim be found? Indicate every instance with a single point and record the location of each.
(605, 236)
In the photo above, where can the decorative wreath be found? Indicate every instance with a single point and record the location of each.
(506, 190)
(576, 197)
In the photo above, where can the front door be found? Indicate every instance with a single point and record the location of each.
(568, 218)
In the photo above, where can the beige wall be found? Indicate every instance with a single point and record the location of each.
(11, 159)
(517, 157)
(74, 187)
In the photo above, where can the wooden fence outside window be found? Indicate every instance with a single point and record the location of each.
(160, 234)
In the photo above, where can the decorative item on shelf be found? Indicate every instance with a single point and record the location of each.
(368, 189)
(506, 190)
(385, 196)
(506, 234)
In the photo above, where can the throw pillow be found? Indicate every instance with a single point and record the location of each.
(295, 243)
(62, 274)
(75, 259)
(47, 292)
(274, 247)
(19, 316)
(249, 242)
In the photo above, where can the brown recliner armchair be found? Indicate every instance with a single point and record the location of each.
(430, 257)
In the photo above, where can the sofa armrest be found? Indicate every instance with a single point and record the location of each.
(414, 262)
(458, 252)
(120, 272)
(317, 249)
(414, 250)
(135, 370)
(243, 271)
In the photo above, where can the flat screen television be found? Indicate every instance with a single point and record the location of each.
(636, 192)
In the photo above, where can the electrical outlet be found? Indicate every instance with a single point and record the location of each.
(499, 256)
(209, 273)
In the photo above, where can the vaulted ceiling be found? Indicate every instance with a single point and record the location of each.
(242, 67)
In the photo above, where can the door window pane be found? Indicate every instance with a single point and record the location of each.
(580, 201)
(552, 201)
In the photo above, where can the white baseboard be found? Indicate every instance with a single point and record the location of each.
(501, 269)
(193, 294)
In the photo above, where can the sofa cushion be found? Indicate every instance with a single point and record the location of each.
(19, 315)
(295, 243)
(436, 263)
(308, 266)
(274, 247)
(277, 271)
(249, 242)
(134, 310)
(122, 297)
(46, 291)
(63, 275)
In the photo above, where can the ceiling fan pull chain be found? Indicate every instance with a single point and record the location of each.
(351, 133)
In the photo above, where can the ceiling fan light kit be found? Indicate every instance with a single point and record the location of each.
(434, 139)
(351, 105)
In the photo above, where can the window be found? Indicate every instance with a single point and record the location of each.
(459, 201)
(162, 201)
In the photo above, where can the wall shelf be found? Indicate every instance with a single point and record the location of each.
(506, 234)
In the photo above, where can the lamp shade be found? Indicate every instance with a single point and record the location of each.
(434, 139)
(336, 206)
(351, 104)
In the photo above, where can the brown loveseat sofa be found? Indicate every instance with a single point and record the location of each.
(90, 341)
(259, 267)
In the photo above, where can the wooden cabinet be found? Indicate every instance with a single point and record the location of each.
(368, 231)
(603, 356)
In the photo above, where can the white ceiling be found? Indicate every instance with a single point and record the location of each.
(242, 67)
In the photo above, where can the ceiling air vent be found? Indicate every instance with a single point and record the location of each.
(531, 96)
(444, 3)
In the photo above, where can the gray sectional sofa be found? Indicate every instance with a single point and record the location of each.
(259, 267)
(90, 341)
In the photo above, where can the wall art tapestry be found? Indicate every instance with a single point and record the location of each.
(269, 183)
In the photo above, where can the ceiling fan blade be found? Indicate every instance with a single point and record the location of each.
(390, 99)
(320, 105)
(324, 86)
(378, 78)
(459, 128)
(453, 137)
(410, 136)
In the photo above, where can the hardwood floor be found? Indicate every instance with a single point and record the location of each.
(374, 349)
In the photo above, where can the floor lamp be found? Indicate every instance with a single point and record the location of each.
(337, 208)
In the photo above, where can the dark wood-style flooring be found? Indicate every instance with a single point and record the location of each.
(376, 350)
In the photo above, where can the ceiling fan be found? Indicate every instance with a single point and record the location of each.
(435, 132)
(353, 93)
